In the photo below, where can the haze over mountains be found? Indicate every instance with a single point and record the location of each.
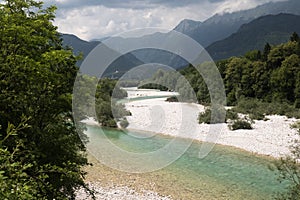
(230, 34)
(120, 65)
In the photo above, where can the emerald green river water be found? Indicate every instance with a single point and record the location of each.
(226, 173)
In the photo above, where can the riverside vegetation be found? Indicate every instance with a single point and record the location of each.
(41, 152)
(257, 84)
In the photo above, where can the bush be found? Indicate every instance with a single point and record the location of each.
(153, 86)
(205, 117)
(253, 107)
(124, 123)
(241, 124)
(257, 116)
(119, 93)
(296, 126)
(257, 109)
(172, 99)
(231, 114)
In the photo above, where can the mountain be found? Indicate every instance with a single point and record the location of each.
(187, 26)
(115, 69)
(274, 29)
(219, 26)
(206, 33)
(216, 28)
(78, 45)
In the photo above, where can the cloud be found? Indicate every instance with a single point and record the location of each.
(236, 5)
(91, 22)
(94, 19)
(133, 4)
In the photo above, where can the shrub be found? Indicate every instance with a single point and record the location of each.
(253, 107)
(231, 114)
(257, 109)
(205, 117)
(257, 116)
(296, 126)
(124, 123)
(241, 124)
(172, 99)
(153, 86)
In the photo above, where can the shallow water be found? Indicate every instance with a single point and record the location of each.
(142, 98)
(226, 173)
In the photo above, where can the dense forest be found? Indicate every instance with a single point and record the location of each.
(252, 81)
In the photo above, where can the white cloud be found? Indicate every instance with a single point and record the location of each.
(95, 19)
(92, 22)
(236, 5)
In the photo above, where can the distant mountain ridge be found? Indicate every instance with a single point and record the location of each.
(219, 27)
(114, 70)
(79, 45)
(209, 33)
(274, 29)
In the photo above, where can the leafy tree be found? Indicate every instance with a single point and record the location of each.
(254, 55)
(283, 79)
(297, 90)
(295, 37)
(278, 54)
(221, 65)
(261, 76)
(108, 111)
(289, 169)
(234, 73)
(36, 79)
(15, 182)
(266, 52)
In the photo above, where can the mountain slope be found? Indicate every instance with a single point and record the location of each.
(213, 29)
(115, 69)
(78, 45)
(219, 27)
(274, 29)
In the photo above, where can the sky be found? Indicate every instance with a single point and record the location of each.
(96, 19)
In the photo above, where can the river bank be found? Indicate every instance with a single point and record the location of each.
(226, 173)
(271, 138)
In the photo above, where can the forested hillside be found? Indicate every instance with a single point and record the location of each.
(272, 75)
(274, 29)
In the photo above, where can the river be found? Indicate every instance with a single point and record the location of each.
(226, 173)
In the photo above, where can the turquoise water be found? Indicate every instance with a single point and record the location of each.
(141, 98)
(224, 172)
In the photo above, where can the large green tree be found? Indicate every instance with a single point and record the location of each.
(36, 80)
